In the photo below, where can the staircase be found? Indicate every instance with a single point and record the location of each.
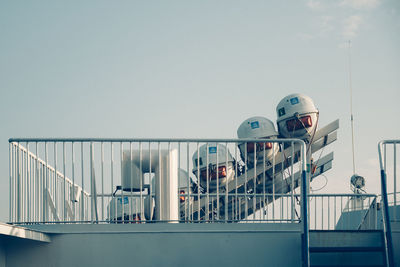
(347, 248)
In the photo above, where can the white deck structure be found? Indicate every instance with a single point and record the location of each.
(72, 204)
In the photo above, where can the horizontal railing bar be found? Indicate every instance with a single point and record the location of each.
(172, 140)
(257, 195)
(342, 195)
(149, 222)
(390, 142)
(391, 193)
(215, 194)
(253, 194)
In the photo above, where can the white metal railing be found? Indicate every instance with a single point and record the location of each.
(387, 151)
(84, 180)
(39, 192)
(393, 200)
(270, 208)
(343, 211)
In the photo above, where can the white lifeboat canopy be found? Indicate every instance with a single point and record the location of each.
(255, 128)
(218, 161)
(183, 180)
(297, 117)
(184, 187)
(125, 208)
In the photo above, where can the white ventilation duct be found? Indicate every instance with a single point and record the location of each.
(164, 164)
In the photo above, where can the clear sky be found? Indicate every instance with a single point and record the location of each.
(198, 69)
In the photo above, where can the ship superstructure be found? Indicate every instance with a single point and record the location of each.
(169, 202)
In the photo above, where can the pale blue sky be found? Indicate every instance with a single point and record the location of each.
(197, 69)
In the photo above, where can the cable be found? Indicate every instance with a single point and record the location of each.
(326, 182)
(315, 130)
(287, 182)
(311, 135)
(351, 111)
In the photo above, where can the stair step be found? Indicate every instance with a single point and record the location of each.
(345, 249)
(346, 238)
(347, 259)
(347, 266)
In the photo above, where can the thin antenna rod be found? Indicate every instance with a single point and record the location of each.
(351, 110)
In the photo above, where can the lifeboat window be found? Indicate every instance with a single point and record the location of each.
(281, 112)
(196, 163)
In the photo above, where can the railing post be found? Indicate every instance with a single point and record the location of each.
(11, 171)
(304, 207)
(386, 215)
(94, 215)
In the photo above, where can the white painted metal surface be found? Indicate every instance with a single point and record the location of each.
(257, 127)
(21, 232)
(260, 193)
(297, 117)
(161, 244)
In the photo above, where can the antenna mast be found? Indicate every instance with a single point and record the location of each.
(351, 110)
